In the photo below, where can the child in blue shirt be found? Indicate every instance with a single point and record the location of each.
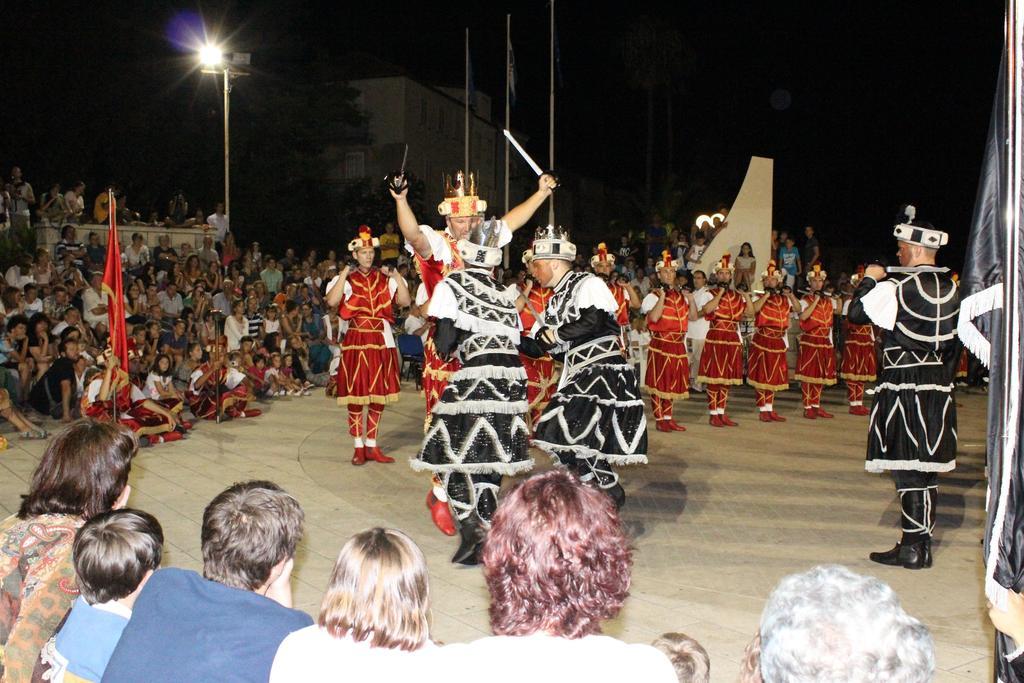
(114, 554)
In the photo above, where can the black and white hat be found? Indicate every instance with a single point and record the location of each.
(552, 242)
(917, 232)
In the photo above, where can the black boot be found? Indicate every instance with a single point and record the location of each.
(604, 479)
(472, 535)
(912, 550)
(933, 504)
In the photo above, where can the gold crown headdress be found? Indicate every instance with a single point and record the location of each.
(460, 198)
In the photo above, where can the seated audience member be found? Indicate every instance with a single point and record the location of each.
(687, 655)
(375, 611)
(227, 624)
(557, 564)
(83, 472)
(115, 553)
(829, 624)
(55, 394)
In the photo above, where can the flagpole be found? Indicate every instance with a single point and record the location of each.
(112, 208)
(465, 166)
(508, 115)
(551, 116)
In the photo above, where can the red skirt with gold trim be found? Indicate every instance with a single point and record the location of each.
(721, 361)
(816, 362)
(436, 372)
(859, 362)
(137, 418)
(766, 360)
(204, 404)
(368, 372)
(668, 367)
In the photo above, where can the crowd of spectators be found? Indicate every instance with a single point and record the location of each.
(557, 566)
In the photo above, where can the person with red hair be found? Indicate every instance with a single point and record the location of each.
(557, 563)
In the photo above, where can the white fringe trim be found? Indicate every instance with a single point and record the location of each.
(970, 308)
(470, 407)
(488, 372)
(464, 321)
(506, 469)
(910, 386)
(878, 466)
(582, 451)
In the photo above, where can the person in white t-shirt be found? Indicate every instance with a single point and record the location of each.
(698, 329)
(549, 599)
(374, 621)
(218, 221)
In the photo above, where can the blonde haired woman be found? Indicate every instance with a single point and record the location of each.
(374, 615)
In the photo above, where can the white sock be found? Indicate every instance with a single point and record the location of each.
(766, 408)
(358, 441)
(370, 443)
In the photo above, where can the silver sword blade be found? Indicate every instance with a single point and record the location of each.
(405, 155)
(522, 152)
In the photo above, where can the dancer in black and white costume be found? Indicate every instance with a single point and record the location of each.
(596, 418)
(912, 428)
(477, 431)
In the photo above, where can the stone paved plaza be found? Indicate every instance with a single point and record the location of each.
(718, 516)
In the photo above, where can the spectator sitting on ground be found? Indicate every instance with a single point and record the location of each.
(829, 624)
(687, 655)
(228, 625)
(557, 564)
(115, 553)
(83, 472)
(375, 611)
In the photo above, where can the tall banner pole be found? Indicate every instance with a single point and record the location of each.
(508, 116)
(465, 166)
(551, 116)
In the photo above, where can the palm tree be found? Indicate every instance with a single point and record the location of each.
(653, 56)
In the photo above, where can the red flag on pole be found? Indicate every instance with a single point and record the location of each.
(115, 290)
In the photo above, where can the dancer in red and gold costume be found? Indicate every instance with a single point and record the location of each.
(721, 363)
(540, 372)
(668, 312)
(625, 296)
(860, 360)
(368, 377)
(436, 254)
(203, 393)
(767, 369)
(113, 387)
(816, 363)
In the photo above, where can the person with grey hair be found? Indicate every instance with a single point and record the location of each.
(228, 623)
(830, 624)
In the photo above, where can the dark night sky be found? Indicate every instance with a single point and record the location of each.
(890, 101)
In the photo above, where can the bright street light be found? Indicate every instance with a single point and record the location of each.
(210, 55)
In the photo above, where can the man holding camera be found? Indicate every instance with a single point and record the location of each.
(912, 430)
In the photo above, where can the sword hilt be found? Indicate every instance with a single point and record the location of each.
(555, 176)
(397, 182)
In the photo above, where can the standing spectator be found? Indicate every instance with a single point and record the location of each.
(390, 242)
(95, 301)
(697, 330)
(271, 276)
(22, 200)
(95, 253)
(74, 202)
(69, 245)
(83, 472)
(53, 211)
(177, 208)
(218, 221)
(812, 252)
(655, 236)
(164, 255)
(789, 258)
(227, 624)
(696, 251)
